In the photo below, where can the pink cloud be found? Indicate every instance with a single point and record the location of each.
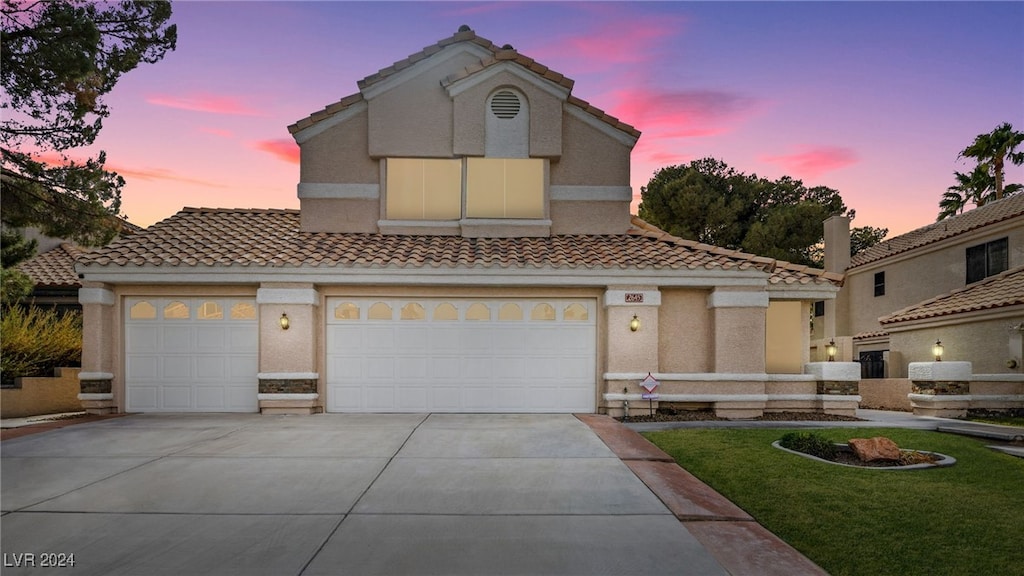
(283, 148)
(202, 102)
(128, 172)
(812, 161)
(681, 113)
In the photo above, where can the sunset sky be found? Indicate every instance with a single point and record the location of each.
(873, 99)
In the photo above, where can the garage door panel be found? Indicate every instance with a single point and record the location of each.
(462, 355)
(191, 354)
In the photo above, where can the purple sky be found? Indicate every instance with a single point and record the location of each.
(873, 99)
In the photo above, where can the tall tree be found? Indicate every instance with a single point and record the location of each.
(710, 202)
(58, 59)
(994, 149)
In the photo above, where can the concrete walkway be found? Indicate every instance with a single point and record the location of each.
(331, 494)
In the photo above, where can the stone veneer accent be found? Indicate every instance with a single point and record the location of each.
(838, 387)
(288, 386)
(104, 386)
(941, 388)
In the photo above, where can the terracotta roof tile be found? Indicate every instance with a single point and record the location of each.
(990, 213)
(870, 335)
(1001, 290)
(197, 237)
(54, 268)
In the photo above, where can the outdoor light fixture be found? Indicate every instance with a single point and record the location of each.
(634, 324)
(284, 321)
(830, 350)
(937, 350)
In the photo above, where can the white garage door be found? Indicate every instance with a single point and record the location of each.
(191, 355)
(461, 355)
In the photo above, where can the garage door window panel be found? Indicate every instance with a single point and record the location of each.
(543, 312)
(380, 311)
(210, 311)
(142, 311)
(478, 312)
(243, 311)
(346, 311)
(510, 312)
(176, 311)
(446, 311)
(413, 311)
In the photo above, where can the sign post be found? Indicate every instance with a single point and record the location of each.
(650, 383)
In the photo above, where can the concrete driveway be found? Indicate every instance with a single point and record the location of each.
(335, 494)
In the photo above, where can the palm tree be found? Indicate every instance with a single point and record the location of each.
(976, 187)
(994, 149)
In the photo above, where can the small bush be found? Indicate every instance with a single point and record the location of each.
(34, 341)
(810, 443)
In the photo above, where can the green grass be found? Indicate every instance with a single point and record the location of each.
(961, 520)
(996, 419)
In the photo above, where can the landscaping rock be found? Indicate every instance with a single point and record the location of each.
(875, 449)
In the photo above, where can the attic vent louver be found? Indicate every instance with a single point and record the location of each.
(505, 105)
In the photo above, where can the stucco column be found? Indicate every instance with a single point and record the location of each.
(289, 328)
(629, 354)
(738, 324)
(96, 390)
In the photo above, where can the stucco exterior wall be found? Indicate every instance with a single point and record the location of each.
(340, 215)
(419, 102)
(589, 157)
(919, 275)
(340, 154)
(739, 340)
(471, 108)
(987, 343)
(589, 217)
(885, 394)
(785, 352)
(43, 395)
(685, 329)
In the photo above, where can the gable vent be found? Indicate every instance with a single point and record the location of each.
(505, 105)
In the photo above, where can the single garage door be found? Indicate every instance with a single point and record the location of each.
(191, 355)
(461, 355)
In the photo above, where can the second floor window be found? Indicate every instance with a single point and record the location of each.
(987, 259)
(879, 283)
(424, 189)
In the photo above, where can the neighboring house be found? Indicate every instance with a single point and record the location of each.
(463, 244)
(957, 280)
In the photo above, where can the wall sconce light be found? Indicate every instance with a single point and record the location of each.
(937, 350)
(831, 349)
(285, 324)
(634, 324)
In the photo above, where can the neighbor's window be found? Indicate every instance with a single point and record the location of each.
(424, 189)
(987, 259)
(504, 188)
(819, 308)
(879, 283)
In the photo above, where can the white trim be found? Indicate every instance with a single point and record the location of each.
(592, 193)
(539, 222)
(94, 397)
(287, 296)
(313, 396)
(95, 376)
(804, 292)
(304, 135)
(939, 371)
(288, 376)
(477, 78)
(997, 397)
(340, 191)
(939, 397)
(618, 298)
(100, 296)
(624, 138)
(997, 378)
(419, 223)
(834, 371)
(728, 299)
(711, 377)
(432, 61)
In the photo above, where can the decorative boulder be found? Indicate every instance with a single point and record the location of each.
(874, 449)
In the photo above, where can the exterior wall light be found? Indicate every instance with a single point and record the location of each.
(937, 350)
(634, 324)
(830, 350)
(285, 324)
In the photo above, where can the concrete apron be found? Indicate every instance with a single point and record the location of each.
(330, 494)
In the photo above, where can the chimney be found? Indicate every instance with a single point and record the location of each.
(837, 244)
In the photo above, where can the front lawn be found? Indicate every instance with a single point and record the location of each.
(961, 520)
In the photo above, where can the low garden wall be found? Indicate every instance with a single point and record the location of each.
(42, 395)
(885, 394)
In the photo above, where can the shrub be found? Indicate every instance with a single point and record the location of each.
(810, 443)
(34, 341)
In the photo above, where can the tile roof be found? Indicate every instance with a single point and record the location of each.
(990, 213)
(256, 238)
(1001, 290)
(54, 268)
(499, 55)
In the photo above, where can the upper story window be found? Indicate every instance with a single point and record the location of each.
(504, 188)
(819, 308)
(880, 283)
(987, 259)
(424, 189)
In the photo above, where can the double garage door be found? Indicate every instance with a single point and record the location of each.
(191, 355)
(460, 355)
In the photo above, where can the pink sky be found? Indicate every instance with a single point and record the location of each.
(873, 99)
